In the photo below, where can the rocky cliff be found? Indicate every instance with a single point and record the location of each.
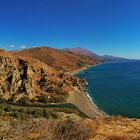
(24, 76)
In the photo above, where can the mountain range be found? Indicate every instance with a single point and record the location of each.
(98, 58)
(66, 59)
(58, 59)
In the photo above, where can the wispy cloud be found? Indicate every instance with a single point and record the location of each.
(12, 46)
(23, 47)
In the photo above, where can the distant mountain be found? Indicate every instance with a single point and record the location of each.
(86, 52)
(109, 58)
(58, 59)
(97, 58)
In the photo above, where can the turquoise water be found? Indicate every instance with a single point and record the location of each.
(115, 87)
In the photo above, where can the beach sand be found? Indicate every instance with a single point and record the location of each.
(81, 100)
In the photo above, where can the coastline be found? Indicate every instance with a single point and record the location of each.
(83, 100)
(73, 72)
(84, 104)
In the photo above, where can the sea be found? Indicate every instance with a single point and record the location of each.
(115, 87)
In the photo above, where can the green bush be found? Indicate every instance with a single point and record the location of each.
(56, 90)
(59, 91)
(57, 99)
(8, 108)
(54, 115)
(1, 99)
(24, 100)
(19, 115)
(15, 114)
(46, 113)
(81, 63)
(28, 110)
(42, 99)
(23, 115)
(3, 106)
(37, 113)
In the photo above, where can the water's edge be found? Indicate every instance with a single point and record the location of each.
(114, 87)
(93, 102)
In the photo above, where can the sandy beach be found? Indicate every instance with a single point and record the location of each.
(82, 100)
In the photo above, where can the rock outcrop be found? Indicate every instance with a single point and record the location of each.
(20, 76)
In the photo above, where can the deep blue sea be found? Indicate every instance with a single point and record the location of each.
(115, 87)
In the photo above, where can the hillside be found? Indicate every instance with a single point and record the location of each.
(59, 59)
(23, 76)
(113, 128)
(85, 52)
(104, 58)
(110, 58)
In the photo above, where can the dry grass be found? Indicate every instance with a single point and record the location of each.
(42, 129)
(115, 128)
(68, 130)
(12, 129)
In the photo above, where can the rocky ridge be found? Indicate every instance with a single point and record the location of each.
(24, 76)
(58, 59)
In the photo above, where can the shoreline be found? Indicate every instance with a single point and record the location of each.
(83, 100)
(93, 103)
(73, 72)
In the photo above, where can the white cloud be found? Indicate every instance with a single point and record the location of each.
(23, 46)
(12, 46)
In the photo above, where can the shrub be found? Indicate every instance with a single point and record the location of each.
(23, 115)
(68, 130)
(43, 99)
(12, 99)
(3, 106)
(58, 99)
(19, 115)
(46, 113)
(54, 115)
(15, 114)
(37, 113)
(1, 99)
(8, 108)
(59, 91)
(81, 63)
(28, 110)
(24, 100)
(50, 89)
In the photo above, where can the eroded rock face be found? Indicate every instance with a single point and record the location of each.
(20, 76)
(15, 77)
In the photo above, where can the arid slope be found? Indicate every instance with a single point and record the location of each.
(25, 76)
(59, 59)
(98, 129)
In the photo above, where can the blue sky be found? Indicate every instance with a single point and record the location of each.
(103, 26)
